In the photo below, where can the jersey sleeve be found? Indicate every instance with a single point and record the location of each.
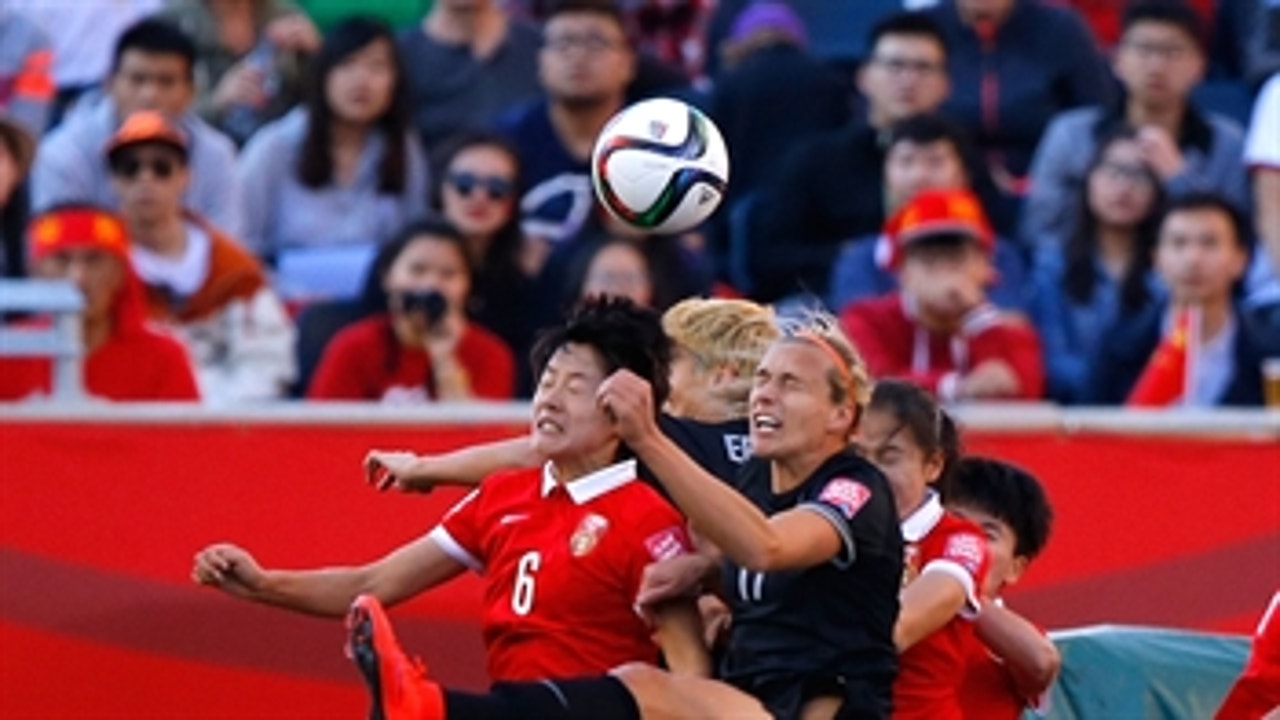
(964, 557)
(839, 500)
(658, 534)
(461, 533)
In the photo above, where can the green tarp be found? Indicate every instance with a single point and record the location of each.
(1135, 673)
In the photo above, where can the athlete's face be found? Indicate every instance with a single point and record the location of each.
(568, 425)
(792, 412)
(887, 443)
(1006, 565)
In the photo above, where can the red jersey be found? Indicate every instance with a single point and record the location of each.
(931, 671)
(988, 690)
(365, 362)
(562, 566)
(894, 344)
(139, 366)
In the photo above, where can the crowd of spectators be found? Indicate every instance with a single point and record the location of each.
(1001, 199)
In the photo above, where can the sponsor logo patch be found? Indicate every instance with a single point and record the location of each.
(967, 549)
(666, 544)
(847, 495)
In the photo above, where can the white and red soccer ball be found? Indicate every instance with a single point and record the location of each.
(660, 166)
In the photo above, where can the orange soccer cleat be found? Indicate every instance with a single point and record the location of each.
(399, 684)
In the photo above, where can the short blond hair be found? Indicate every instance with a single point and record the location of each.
(850, 379)
(720, 331)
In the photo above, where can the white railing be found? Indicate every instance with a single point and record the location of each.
(60, 341)
(1004, 418)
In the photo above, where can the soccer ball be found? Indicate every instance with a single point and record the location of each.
(660, 166)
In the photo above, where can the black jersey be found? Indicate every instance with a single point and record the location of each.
(719, 448)
(827, 629)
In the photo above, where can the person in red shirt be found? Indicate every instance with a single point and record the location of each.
(1010, 663)
(124, 359)
(941, 331)
(424, 348)
(561, 547)
(914, 443)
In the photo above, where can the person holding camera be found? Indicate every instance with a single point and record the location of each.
(424, 348)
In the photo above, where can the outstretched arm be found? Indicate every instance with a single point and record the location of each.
(792, 539)
(465, 467)
(329, 592)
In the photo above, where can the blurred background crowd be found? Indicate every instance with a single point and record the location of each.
(384, 200)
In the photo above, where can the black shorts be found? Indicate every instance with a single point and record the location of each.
(785, 697)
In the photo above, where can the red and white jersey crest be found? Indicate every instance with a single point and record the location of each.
(588, 534)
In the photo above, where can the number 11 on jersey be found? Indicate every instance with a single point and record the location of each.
(522, 593)
(750, 585)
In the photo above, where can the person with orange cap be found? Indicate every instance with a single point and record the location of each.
(199, 280)
(941, 331)
(124, 359)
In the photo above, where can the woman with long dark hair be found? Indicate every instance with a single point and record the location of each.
(343, 172)
(1103, 269)
(477, 191)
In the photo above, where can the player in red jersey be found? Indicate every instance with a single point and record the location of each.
(813, 562)
(562, 547)
(1010, 663)
(913, 442)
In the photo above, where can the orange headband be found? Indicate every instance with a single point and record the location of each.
(825, 346)
(80, 227)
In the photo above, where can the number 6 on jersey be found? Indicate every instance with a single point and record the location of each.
(522, 593)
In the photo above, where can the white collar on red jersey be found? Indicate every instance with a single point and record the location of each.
(920, 522)
(589, 487)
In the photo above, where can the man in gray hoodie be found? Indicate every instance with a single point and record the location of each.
(151, 70)
(1159, 60)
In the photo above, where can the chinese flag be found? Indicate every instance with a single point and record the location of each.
(1164, 380)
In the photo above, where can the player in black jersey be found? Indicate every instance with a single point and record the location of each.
(812, 544)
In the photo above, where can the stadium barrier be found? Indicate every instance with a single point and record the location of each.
(1168, 520)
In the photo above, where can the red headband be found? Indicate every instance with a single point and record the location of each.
(81, 227)
(92, 228)
(825, 346)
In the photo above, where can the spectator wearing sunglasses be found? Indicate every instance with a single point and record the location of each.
(339, 176)
(477, 193)
(198, 280)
